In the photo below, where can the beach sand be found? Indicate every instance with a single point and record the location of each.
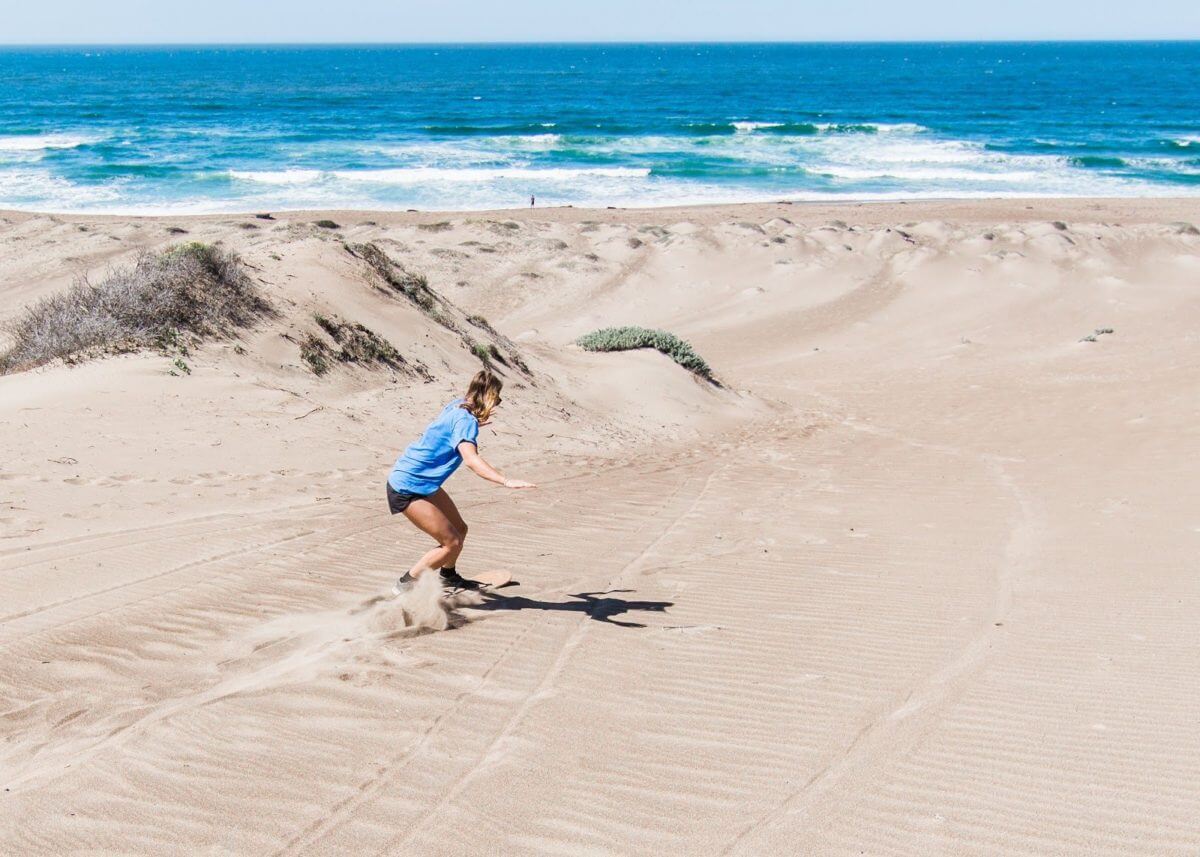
(919, 577)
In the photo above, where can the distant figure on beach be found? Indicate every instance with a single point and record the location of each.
(414, 487)
(532, 200)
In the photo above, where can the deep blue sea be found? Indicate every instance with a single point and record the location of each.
(194, 129)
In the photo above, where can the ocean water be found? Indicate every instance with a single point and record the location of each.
(196, 129)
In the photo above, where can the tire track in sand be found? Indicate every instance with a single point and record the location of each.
(568, 648)
(902, 726)
(374, 785)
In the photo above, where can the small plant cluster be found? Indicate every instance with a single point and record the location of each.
(1099, 331)
(172, 345)
(412, 285)
(355, 343)
(316, 352)
(482, 323)
(163, 299)
(415, 287)
(491, 356)
(628, 338)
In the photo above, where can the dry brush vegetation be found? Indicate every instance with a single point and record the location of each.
(191, 290)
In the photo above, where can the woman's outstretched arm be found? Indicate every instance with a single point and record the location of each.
(472, 458)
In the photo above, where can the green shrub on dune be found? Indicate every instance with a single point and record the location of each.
(628, 338)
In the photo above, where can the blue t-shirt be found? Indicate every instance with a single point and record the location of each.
(430, 461)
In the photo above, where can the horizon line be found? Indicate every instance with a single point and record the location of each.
(616, 42)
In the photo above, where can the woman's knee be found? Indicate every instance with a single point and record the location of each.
(453, 540)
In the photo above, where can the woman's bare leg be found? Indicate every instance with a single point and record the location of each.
(442, 500)
(428, 518)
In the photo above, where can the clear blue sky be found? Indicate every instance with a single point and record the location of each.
(158, 21)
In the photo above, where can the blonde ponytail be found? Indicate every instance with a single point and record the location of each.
(483, 395)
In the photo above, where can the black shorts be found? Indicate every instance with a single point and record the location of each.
(398, 500)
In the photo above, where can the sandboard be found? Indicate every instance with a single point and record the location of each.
(492, 579)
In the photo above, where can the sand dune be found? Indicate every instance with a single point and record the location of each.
(918, 578)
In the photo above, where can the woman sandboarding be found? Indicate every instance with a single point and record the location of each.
(414, 487)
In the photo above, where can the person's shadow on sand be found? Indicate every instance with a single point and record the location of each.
(600, 606)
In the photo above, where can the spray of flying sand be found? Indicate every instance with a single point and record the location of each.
(422, 609)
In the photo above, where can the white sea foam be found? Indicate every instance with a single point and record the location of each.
(836, 127)
(41, 189)
(465, 151)
(899, 162)
(469, 151)
(1061, 144)
(632, 196)
(511, 142)
(282, 177)
(420, 175)
(654, 143)
(42, 142)
(930, 174)
(926, 160)
(748, 127)
(898, 128)
(900, 151)
(1167, 165)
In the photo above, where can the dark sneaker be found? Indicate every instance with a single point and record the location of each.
(451, 579)
(404, 584)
